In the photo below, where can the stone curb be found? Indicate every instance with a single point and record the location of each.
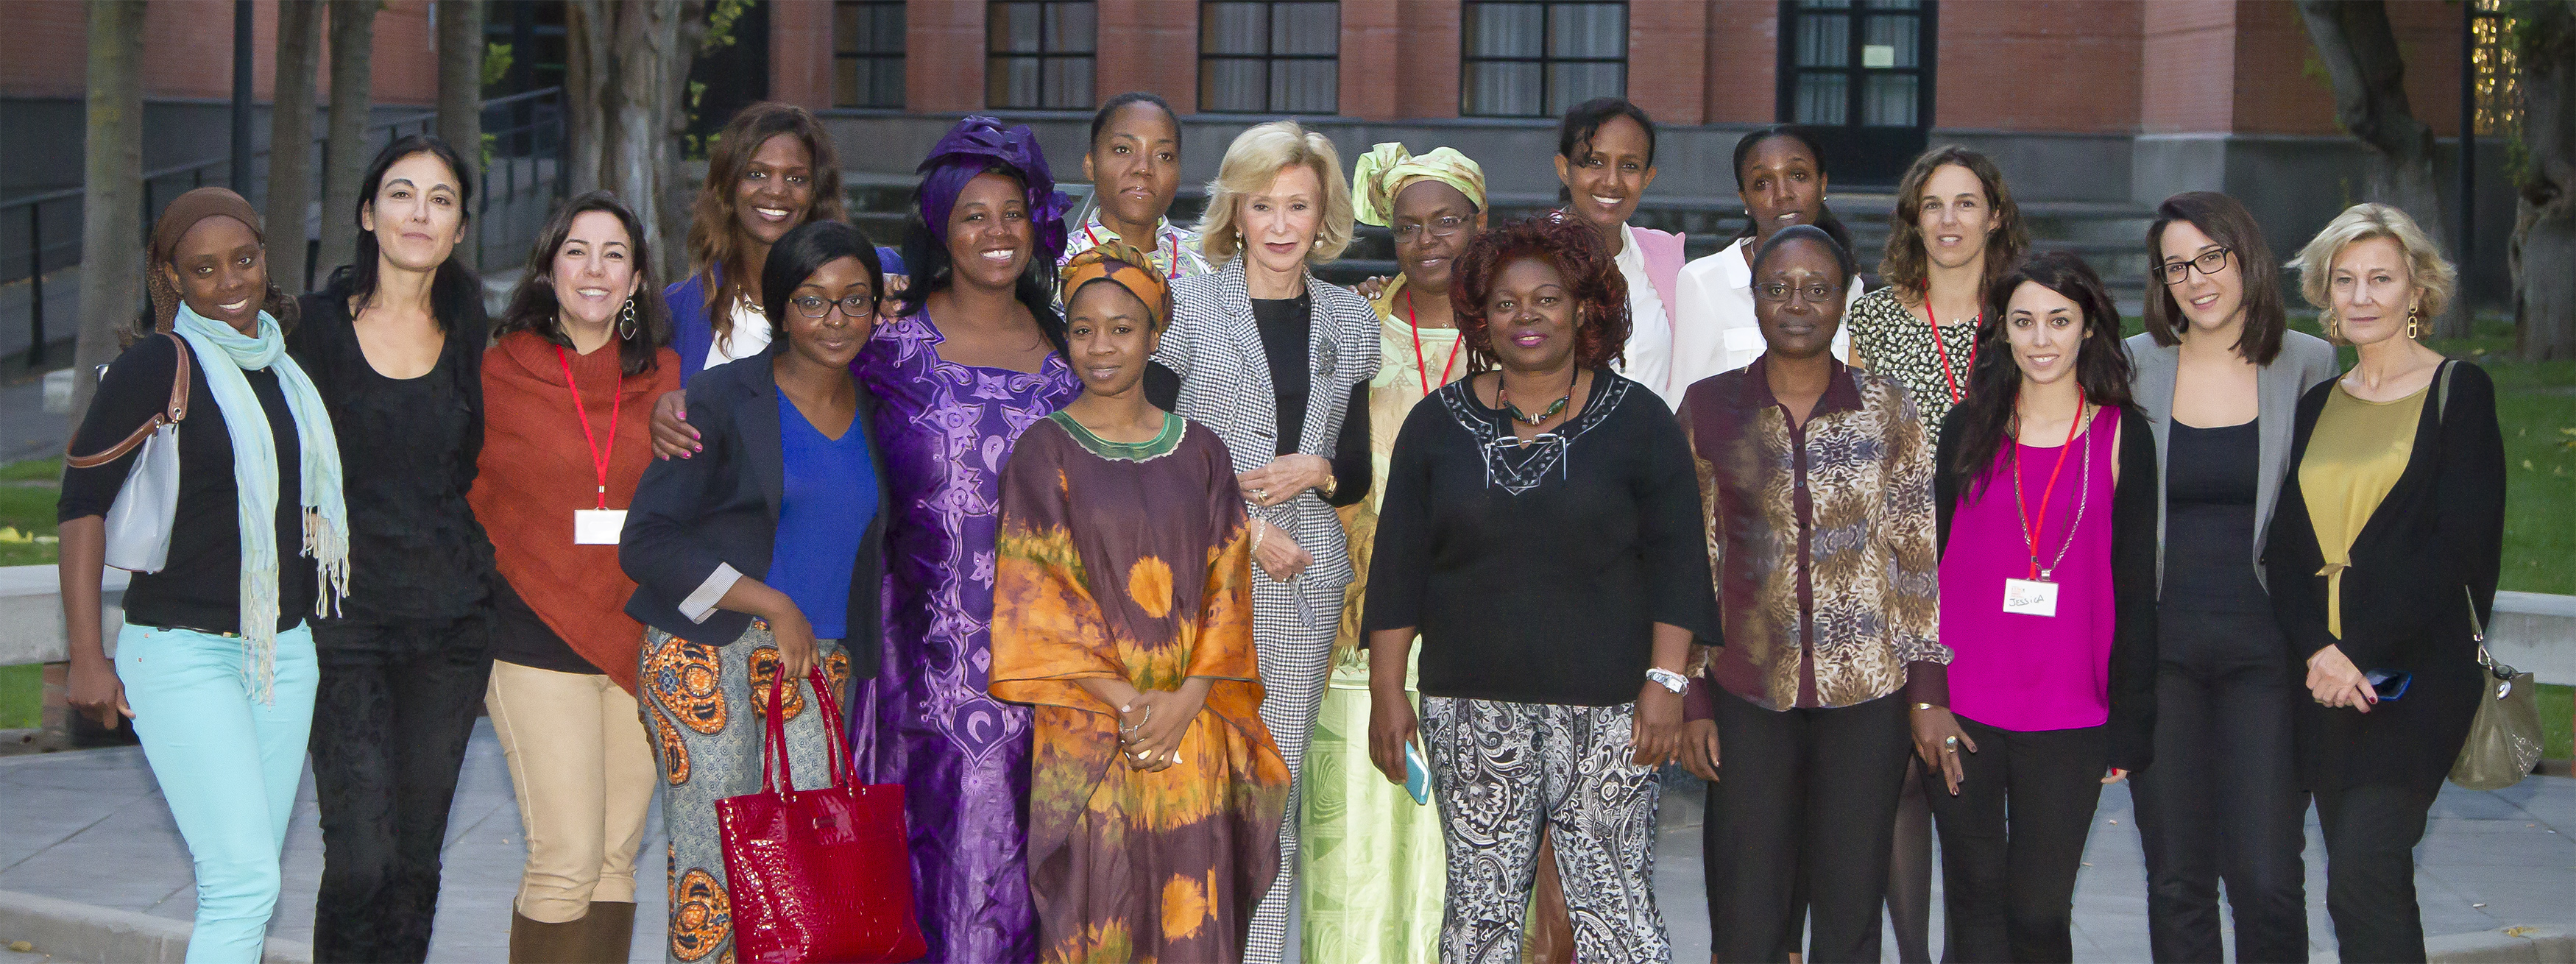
(2512, 945)
(80, 932)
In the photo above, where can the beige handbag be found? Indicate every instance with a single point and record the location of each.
(2504, 740)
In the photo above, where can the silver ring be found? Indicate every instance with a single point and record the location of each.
(1950, 741)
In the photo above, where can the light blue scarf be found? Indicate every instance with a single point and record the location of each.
(326, 518)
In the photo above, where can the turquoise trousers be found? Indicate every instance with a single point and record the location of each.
(228, 767)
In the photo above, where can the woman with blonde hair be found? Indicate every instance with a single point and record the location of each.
(2383, 566)
(1278, 362)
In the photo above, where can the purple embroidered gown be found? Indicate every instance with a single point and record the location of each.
(926, 721)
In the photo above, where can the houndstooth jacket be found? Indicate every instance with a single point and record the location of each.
(1215, 347)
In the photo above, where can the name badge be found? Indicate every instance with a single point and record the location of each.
(597, 527)
(2030, 597)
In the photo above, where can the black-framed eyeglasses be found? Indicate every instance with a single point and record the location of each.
(816, 306)
(1440, 227)
(1814, 294)
(2209, 263)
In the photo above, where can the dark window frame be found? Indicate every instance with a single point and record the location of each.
(1786, 71)
(1270, 60)
(869, 57)
(1042, 56)
(1467, 60)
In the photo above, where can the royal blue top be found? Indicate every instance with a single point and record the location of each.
(692, 334)
(829, 498)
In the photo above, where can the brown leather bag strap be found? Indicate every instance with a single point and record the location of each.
(172, 413)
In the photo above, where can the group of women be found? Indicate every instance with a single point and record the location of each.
(1201, 617)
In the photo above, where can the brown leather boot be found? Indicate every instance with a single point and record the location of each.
(537, 942)
(608, 933)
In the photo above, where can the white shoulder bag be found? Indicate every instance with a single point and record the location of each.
(138, 524)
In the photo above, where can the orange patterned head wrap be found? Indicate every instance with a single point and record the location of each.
(1122, 264)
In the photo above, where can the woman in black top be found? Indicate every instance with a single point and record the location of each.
(215, 662)
(2383, 567)
(1540, 532)
(395, 344)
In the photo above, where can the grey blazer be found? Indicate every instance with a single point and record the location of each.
(2304, 361)
(1214, 345)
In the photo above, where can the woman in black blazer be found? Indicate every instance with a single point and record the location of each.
(765, 549)
(2383, 559)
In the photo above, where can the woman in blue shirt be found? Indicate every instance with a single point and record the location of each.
(760, 555)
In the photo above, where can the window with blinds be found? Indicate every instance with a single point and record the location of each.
(867, 53)
(1040, 54)
(1535, 58)
(1270, 57)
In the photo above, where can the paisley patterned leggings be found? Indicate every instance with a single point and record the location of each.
(1500, 768)
(704, 706)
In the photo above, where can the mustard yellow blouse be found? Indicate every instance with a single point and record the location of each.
(2355, 455)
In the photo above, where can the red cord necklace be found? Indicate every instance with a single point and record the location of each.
(1421, 363)
(2031, 529)
(1955, 393)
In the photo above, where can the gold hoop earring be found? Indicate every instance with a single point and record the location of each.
(626, 321)
(2414, 327)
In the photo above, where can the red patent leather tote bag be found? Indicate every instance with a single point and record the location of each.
(820, 875)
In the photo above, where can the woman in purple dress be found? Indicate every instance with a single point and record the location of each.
(974, 357)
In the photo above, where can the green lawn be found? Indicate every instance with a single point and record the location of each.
(27, 498)
(2557, 714)
(22, 696)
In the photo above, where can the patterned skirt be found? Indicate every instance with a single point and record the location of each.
(705, 705)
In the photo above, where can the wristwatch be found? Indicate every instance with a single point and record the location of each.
(1668, 679)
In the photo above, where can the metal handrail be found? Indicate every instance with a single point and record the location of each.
(196, 173)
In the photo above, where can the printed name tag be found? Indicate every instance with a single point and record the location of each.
(2030, 597)
(597, 527)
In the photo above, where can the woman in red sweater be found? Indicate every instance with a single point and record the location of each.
(581, 345)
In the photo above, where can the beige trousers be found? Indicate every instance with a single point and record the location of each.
(584, 773)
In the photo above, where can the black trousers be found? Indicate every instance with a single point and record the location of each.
(2371, 832)
(1809, 792)
(2013, 839)
(389, 731)
(2222, 799)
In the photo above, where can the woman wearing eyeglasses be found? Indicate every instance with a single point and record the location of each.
(2219, 375)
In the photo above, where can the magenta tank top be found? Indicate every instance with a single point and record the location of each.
(2022, 672)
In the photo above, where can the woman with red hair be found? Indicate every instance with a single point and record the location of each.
(1538, 533)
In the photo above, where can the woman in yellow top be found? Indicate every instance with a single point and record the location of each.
(1374, 874)
(2383, 558)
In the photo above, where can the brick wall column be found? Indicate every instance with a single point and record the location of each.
(1427, 55)
(1369, 68)
(1741, 62)
(1668, 59)
(800, 54)
(943, 64)
(1150, 45)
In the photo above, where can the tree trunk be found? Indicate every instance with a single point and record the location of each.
(290, 141)
(2544, 238)
(460, 101)
(626, 74)
(112, 184)
(2360, 53)
(353, 39)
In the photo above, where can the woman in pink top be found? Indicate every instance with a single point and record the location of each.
(2047, 605)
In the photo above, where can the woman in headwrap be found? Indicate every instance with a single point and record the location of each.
(1123, 611)
(1373, 873)
(976, 357)
(215, 663)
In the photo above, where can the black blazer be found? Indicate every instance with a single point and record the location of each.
(720, 507)
(2429, 552)
(2134, 517)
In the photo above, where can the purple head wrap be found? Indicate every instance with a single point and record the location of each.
(966, 150)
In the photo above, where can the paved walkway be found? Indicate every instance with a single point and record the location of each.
(90, 826)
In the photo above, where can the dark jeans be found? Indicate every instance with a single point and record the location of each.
(2013, 838)
(389, 730)
(1803, 792)
(2222, 800)
(2371, 832)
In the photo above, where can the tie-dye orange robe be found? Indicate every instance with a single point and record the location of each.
(1131, 561)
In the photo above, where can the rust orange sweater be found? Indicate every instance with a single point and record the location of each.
(537, 469)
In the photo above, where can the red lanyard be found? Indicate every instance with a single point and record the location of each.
(2030, 530)
(598, 456)
(1420, 363)
(1955, 394)
(1170, 274)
